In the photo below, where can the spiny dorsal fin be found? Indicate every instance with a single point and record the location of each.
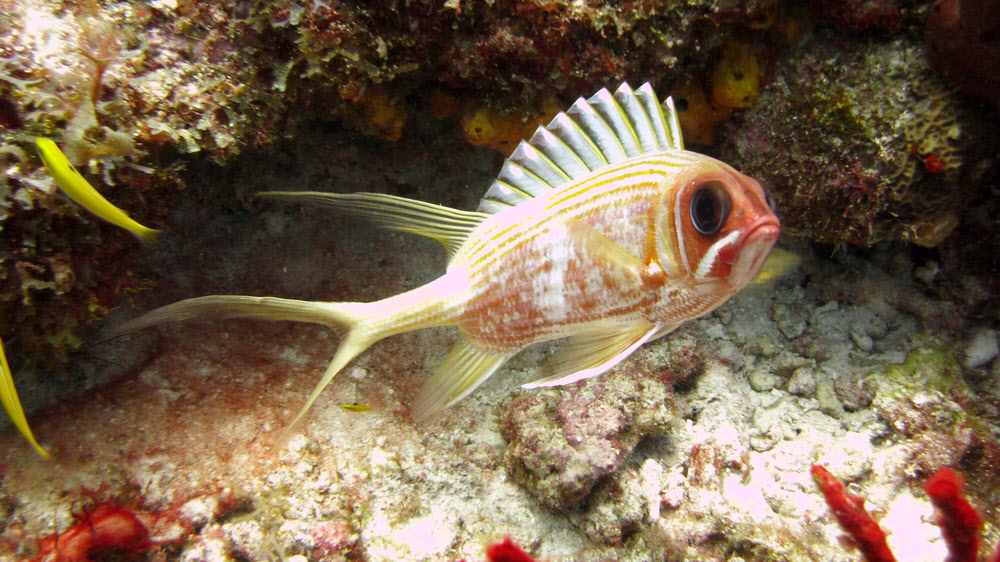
(588, 136)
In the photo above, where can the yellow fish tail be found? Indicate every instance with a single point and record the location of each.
(12, 404)
(148, 235)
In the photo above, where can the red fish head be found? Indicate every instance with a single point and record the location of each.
(725, 225)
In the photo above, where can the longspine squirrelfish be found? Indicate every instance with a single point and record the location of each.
(601, 229)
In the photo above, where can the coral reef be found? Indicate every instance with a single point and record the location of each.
(861, 15)
(375, 112)
(562, 445)
(222, 77)
(104, 531)
(849, 510)
(851, 165)
(697, 116)
(734, 83)
(484, 126)
(880, 363)
(507, 551)
(736, 78)
(960, 524)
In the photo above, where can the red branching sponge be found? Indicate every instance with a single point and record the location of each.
(850, 513)
(958, 519)
(507, 551)
(103, 531)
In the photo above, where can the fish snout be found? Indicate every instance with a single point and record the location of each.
(765, 228)
(754, 246)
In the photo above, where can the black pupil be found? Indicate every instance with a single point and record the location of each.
(709, 209)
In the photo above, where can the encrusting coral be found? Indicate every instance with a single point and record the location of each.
(697, 116)
(736, 77)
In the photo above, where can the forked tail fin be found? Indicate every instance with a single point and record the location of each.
(347, 318)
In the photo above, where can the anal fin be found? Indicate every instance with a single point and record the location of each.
(589, 354)
(465, 368)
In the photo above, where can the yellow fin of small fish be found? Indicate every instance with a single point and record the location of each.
(355, 407)
(463, 370)
(602, 130)
(80, 190)
(11, 403)
(448, 226)
(777, 265)
(587, 355)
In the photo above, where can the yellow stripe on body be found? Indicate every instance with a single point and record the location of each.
(497, 246)
(664, 160)
(437, 303)
(615, 186)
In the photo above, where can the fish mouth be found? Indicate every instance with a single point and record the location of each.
(762, 233)
(754, 247)
(764, 229)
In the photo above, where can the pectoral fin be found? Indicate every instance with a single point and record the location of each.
(465, 368)
(603, 250)
(587, 355)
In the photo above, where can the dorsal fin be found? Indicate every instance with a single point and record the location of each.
(590, 135)
(448, 226)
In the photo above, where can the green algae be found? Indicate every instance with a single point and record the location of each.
(932, 365)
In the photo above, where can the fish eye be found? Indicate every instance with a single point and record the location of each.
(710, 206)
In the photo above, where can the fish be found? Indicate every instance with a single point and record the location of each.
(601, 229)
(79, 189)
(355, 407)
(12, 404)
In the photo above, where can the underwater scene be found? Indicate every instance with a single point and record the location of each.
(500, 280)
